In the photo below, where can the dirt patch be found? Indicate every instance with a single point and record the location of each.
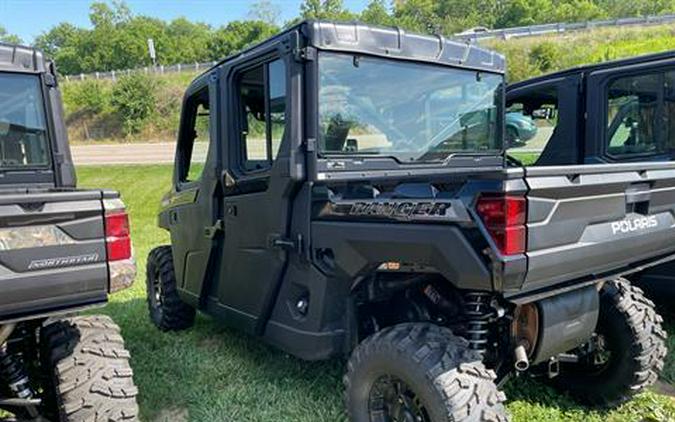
(662, 387)
(173, 415)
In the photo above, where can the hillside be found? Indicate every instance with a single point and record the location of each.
(144, 108)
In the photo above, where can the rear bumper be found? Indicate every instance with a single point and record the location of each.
(26, 296)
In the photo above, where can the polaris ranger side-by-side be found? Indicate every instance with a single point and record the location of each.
(356, 201)
(620, 111)
(62, 250)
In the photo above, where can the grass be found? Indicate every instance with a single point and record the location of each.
(212, 373)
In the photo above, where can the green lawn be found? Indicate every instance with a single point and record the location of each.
(212, 373)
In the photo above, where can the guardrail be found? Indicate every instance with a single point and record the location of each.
(553, 28)
(515, 32)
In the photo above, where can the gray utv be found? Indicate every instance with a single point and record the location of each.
(62, 250)
(356, 201)
(619, 111)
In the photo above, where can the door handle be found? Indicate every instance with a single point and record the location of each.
(211, 231)
(638, 193)
(279, 242)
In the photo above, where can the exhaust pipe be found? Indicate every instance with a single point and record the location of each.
(521, 361)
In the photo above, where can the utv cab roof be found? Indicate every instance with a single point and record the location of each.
(387, 42)
(17, 58)
(647, 58)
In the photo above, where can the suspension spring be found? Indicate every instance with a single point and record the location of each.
(13, 372)
(478, 313)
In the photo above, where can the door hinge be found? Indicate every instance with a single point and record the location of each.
(305, 54)
(211, 231)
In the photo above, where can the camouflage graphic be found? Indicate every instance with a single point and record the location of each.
(32, 237)
(122, 274)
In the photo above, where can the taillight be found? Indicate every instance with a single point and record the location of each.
(504, 217)
(117, 234)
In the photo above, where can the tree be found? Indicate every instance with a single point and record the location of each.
(265, 11)
(325, 9)
(238, 35)
(418, 15)
(7, 37)
(377, 12)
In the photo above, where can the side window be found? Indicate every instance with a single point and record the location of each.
(195, 138)
(633, 107)
(262, 98)
(530, 124)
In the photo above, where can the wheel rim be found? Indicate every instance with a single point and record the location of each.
(392, 400)
(600, 355)
(157, 288)
(595, 357)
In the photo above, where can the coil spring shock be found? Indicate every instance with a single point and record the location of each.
(13, 371)
(478, 312)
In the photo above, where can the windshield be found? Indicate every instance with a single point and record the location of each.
(412, 112)
(23, 133)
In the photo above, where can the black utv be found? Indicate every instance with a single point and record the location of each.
(62, 250)
(356, 200)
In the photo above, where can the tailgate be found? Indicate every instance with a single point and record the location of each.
(52, 252)
(597, 220)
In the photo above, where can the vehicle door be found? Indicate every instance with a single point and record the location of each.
(258, 189)
(192, 212)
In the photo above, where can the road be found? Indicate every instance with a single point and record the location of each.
(163, 152)
(137, 153)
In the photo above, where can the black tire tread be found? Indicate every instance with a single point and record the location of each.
(649, 344)
(456, 372)
(175, 314)
(624, 304)
(91, 377)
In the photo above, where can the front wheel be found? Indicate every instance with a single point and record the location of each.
(420, 373)
(626, 353)
(167, 311)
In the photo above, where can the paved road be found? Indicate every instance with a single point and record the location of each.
(149, 153)
(163, 152)
(140, 153)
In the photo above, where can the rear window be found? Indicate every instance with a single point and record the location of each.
(23, 131)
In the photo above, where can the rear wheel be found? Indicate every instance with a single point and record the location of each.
(91, 379)
(167, 311)
(420, 372)
(626, 354)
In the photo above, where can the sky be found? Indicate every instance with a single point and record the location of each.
(29, 18)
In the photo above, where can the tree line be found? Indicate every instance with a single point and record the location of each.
(117, 38)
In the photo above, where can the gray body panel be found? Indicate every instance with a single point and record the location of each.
(588, 221)
(52, 252)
